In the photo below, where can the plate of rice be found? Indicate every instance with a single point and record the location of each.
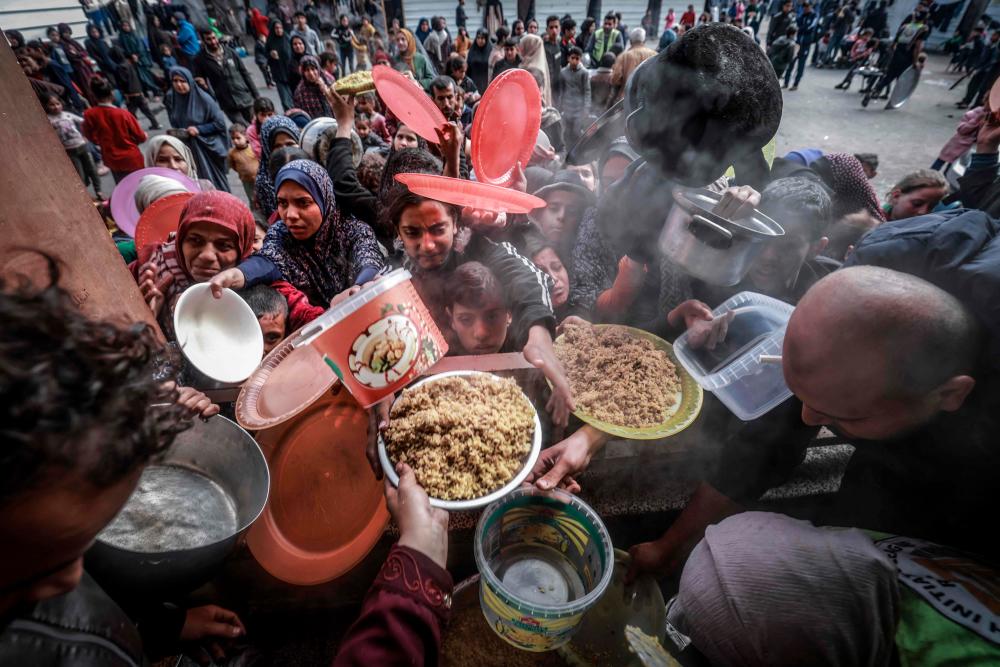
(470, 437)
(627, 382)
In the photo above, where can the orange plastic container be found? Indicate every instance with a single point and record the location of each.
(379, 340)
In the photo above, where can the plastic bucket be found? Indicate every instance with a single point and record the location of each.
(378, 340)
(545, 559)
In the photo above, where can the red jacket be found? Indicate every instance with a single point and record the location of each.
(688, 19)
(118, 134)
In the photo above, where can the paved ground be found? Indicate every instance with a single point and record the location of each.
(818, 116)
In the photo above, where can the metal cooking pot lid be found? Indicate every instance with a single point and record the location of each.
(905, 85)
(598, 136)
(704, 201)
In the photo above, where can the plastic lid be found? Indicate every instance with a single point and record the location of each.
(335, 315)
(160, 219)
(758, 328)
(506, 125)
(123, 208)
(326, 509)
(408, 102)
(473, 194)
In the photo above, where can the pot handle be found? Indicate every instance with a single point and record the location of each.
(710, 233)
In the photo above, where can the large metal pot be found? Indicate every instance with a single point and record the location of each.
(710, 247)
(222, 451)
(319, 133)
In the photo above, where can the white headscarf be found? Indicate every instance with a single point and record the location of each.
(154, 187)
(153, 150)
(533, 56)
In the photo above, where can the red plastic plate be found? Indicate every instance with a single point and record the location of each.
(161, 218)
(506, 126)
(408, 102)
(480, 196)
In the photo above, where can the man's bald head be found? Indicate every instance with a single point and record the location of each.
(869, 336)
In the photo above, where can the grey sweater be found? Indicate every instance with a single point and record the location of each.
(575, 95)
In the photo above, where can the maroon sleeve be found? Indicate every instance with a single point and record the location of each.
(300, 311)
(401, 619)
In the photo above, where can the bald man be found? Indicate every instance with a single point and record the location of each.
(888, 361)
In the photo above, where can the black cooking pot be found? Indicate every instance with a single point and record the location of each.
(707, 102)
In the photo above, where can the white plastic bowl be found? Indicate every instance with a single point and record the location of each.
(482, 501)
(220, 337)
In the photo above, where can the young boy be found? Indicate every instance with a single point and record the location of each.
(511, 58)
(242, 159)
(115, 131)
(477, 311)
(67, 126)
(369, 139)
(263, 108)
(575, 102)
(330, 64)
(271, 310)
(343, 35)
(167, 57)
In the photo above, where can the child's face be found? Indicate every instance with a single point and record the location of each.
(165, 49)
(363, 105)
(509, 52)
(574, 61)
(272, 325)
(258, 237)
(344, 21)
(53, 107)
(261, 116)
(239, 140)
(480, 330)
(362, 128)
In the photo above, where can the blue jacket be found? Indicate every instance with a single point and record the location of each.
(959, 251)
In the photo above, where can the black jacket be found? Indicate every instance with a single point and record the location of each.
(85, 628)
(233, 86)
(780, 23)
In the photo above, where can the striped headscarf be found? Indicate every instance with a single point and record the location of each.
(340, 251)
(264, 187)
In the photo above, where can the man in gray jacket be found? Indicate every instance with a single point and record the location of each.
(228, 77)
(575, 100)
(308, 35)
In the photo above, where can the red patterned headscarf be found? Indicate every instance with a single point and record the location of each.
(851, 189)
(223, 210)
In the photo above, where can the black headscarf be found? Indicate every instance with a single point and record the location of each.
(478, 61)
(284, 49)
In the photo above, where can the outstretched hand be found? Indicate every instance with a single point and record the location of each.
(230, 278)
(558, 465)
(208, 631)
(421, 527)
(153, 290)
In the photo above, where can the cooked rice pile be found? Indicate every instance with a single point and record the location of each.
(617, 377)
(463, 436)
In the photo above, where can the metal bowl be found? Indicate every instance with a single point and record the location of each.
(482, 501)
(318, 134)
(222, 451)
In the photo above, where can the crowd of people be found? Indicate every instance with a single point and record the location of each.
(893, 343)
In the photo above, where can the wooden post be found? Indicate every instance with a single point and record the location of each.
(45, 207)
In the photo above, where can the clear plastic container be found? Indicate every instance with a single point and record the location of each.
(734, 371)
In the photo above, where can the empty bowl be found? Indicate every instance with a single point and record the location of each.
(220, 337)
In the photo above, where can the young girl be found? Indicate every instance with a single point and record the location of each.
(67, 126)
(963, 139)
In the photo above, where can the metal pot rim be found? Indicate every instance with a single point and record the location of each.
(682, 199)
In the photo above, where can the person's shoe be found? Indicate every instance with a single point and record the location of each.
(784, 85)
(840, 86)
(864, 101)
(961, 105)
(102, 170)
(156, 126)
(793, 88)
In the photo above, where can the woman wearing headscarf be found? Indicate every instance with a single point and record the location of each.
(192, 109)
(169, 152)
(273, 128)
(215, 233)
(533, 58)
(416, 62)
(299, 51)
(279, 59)
(158, 37)
(98, 49)
(851, 190)
(478, 60)
(310, 94)
(423, 29)
(313, 246)
(77, 54)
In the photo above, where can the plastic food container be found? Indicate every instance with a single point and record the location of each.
(378, 340)
(735, 371)
(545, 558)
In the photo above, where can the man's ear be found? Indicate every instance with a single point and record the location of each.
(952, 394)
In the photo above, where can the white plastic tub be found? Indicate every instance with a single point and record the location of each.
(734, 370)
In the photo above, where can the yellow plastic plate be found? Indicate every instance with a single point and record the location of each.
(678, 417)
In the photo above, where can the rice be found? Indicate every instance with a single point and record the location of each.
(464, 436)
